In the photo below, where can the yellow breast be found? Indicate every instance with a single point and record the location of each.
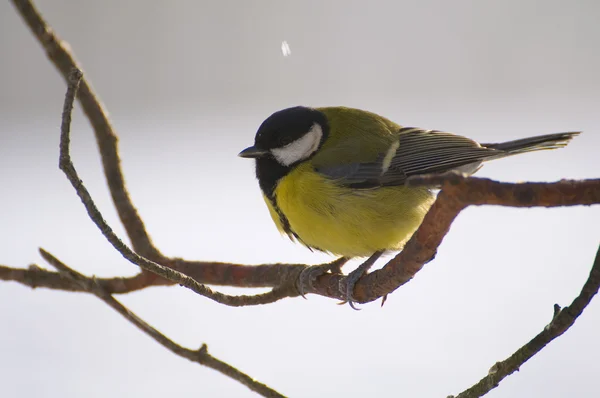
(348, 222)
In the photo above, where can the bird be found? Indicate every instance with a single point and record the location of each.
(333, 178)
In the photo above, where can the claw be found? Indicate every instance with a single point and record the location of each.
(383, 300)
(354, 276)
(309, 275)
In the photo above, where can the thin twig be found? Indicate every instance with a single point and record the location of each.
(484, 191)
(62, 58)
(66, 165)
(239, 275)
(214, 273)
(560, 323)
(36, 277)
(249, 276)
(200, 356)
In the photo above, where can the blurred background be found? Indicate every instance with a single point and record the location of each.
(187, 84)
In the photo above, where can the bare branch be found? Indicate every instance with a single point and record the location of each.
(35, 277)
(561, 322)
(62, 58)
(250, 276)
(483, 191)
(66, 165)
(228, 274)
(200, 356)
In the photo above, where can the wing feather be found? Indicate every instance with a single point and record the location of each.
(419, 152)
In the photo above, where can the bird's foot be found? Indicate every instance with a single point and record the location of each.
(347, 284)
(309, 275)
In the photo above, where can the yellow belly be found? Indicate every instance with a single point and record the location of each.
(349, 222)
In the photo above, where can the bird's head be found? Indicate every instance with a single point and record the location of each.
(289, 136)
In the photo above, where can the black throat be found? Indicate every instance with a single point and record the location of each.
(269, 172)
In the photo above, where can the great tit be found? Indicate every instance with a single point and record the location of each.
(334, 178)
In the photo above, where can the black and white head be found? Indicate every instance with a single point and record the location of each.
(284, 140)
(289, 136)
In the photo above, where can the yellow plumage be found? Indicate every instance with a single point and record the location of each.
(351, 223)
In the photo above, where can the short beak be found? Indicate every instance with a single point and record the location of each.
(252, 152)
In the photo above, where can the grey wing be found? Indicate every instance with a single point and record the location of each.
(417, 151)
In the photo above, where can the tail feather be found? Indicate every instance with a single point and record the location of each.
(541, 142)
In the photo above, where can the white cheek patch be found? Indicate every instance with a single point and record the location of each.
(300, 149)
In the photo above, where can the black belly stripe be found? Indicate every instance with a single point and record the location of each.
(285, 223)
(269, 172)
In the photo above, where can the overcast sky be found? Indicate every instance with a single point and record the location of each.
(187, 84)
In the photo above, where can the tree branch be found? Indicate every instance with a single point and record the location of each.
(35, 277)
(62, 58)
(66, 165)
(561, 321)
(264, 275)
(200, 356)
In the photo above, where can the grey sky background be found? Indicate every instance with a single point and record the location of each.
(187, 84)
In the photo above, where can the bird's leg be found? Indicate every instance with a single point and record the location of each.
(309, 275)
(348, 283)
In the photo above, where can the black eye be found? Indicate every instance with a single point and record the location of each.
(285, 140)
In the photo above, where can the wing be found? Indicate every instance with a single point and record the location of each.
(416, 151)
